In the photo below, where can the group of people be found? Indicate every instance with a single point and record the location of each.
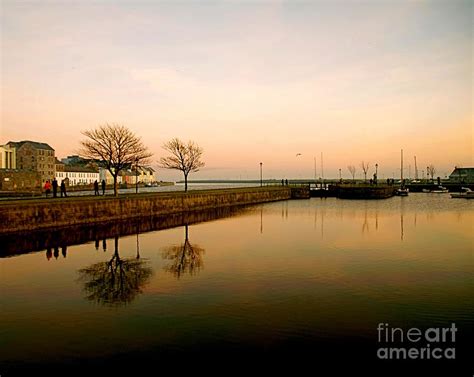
(96, 187)
(48, 186)
(53, 186)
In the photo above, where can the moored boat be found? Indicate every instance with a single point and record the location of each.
(401, 191)
(438, 190)
(466, 193)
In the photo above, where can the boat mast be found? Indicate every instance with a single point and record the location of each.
(416, 170)
(315, 172)
(401, 168)
(322, 168)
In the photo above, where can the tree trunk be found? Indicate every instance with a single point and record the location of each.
(185, 182)
(116, 243)
(115, 186)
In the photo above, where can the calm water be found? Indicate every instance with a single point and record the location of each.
(271, 282)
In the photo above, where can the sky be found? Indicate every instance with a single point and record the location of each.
(248, 81)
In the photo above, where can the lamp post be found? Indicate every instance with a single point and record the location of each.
(136, 176)
(376, 173)
(261, 176)
(340, 175)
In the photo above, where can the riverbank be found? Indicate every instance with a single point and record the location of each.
(35, 214)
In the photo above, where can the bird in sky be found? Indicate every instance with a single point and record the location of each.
(298, 154)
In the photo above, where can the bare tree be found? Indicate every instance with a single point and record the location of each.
(116, 147)
(352, 170)
(185, 258)
(365, 169)
(116, 282)
(431, 170)
(185, 157)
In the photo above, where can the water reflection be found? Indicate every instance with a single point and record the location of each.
(316, 263)
(22, 243)
(365, 225)
(184, 258)
(50, 253)
(322, 212)
(116, 282)
(104, 244)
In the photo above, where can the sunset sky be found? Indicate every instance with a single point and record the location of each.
(248, 81)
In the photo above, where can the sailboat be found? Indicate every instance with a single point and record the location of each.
(402, 190)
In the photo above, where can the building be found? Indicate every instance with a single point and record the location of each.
(128, 177)
(7, 157)
(59, 166)
(462, 175)
(104, 174)
(77, 175)
(146, 175)
(78, 160)
(35, 156)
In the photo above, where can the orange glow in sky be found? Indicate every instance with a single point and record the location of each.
(249, 82)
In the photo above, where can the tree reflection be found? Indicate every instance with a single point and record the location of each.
(185, 258)
(116, 282)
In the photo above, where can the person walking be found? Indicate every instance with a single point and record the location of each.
(96, 187)
(103, 187)
(63, 189)
(47, 188)
(55, 188)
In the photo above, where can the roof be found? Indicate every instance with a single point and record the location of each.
(148, 169)
(35, 144)
(462, 171)
(127, 173)
(79, 169)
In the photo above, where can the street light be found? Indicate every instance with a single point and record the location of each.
(136, 176)
(376, 173)
(261, 176)
(340, 175)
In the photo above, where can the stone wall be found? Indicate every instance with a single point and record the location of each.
(302, 192)
(19, 180)
(27, 215)
(42, 239)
